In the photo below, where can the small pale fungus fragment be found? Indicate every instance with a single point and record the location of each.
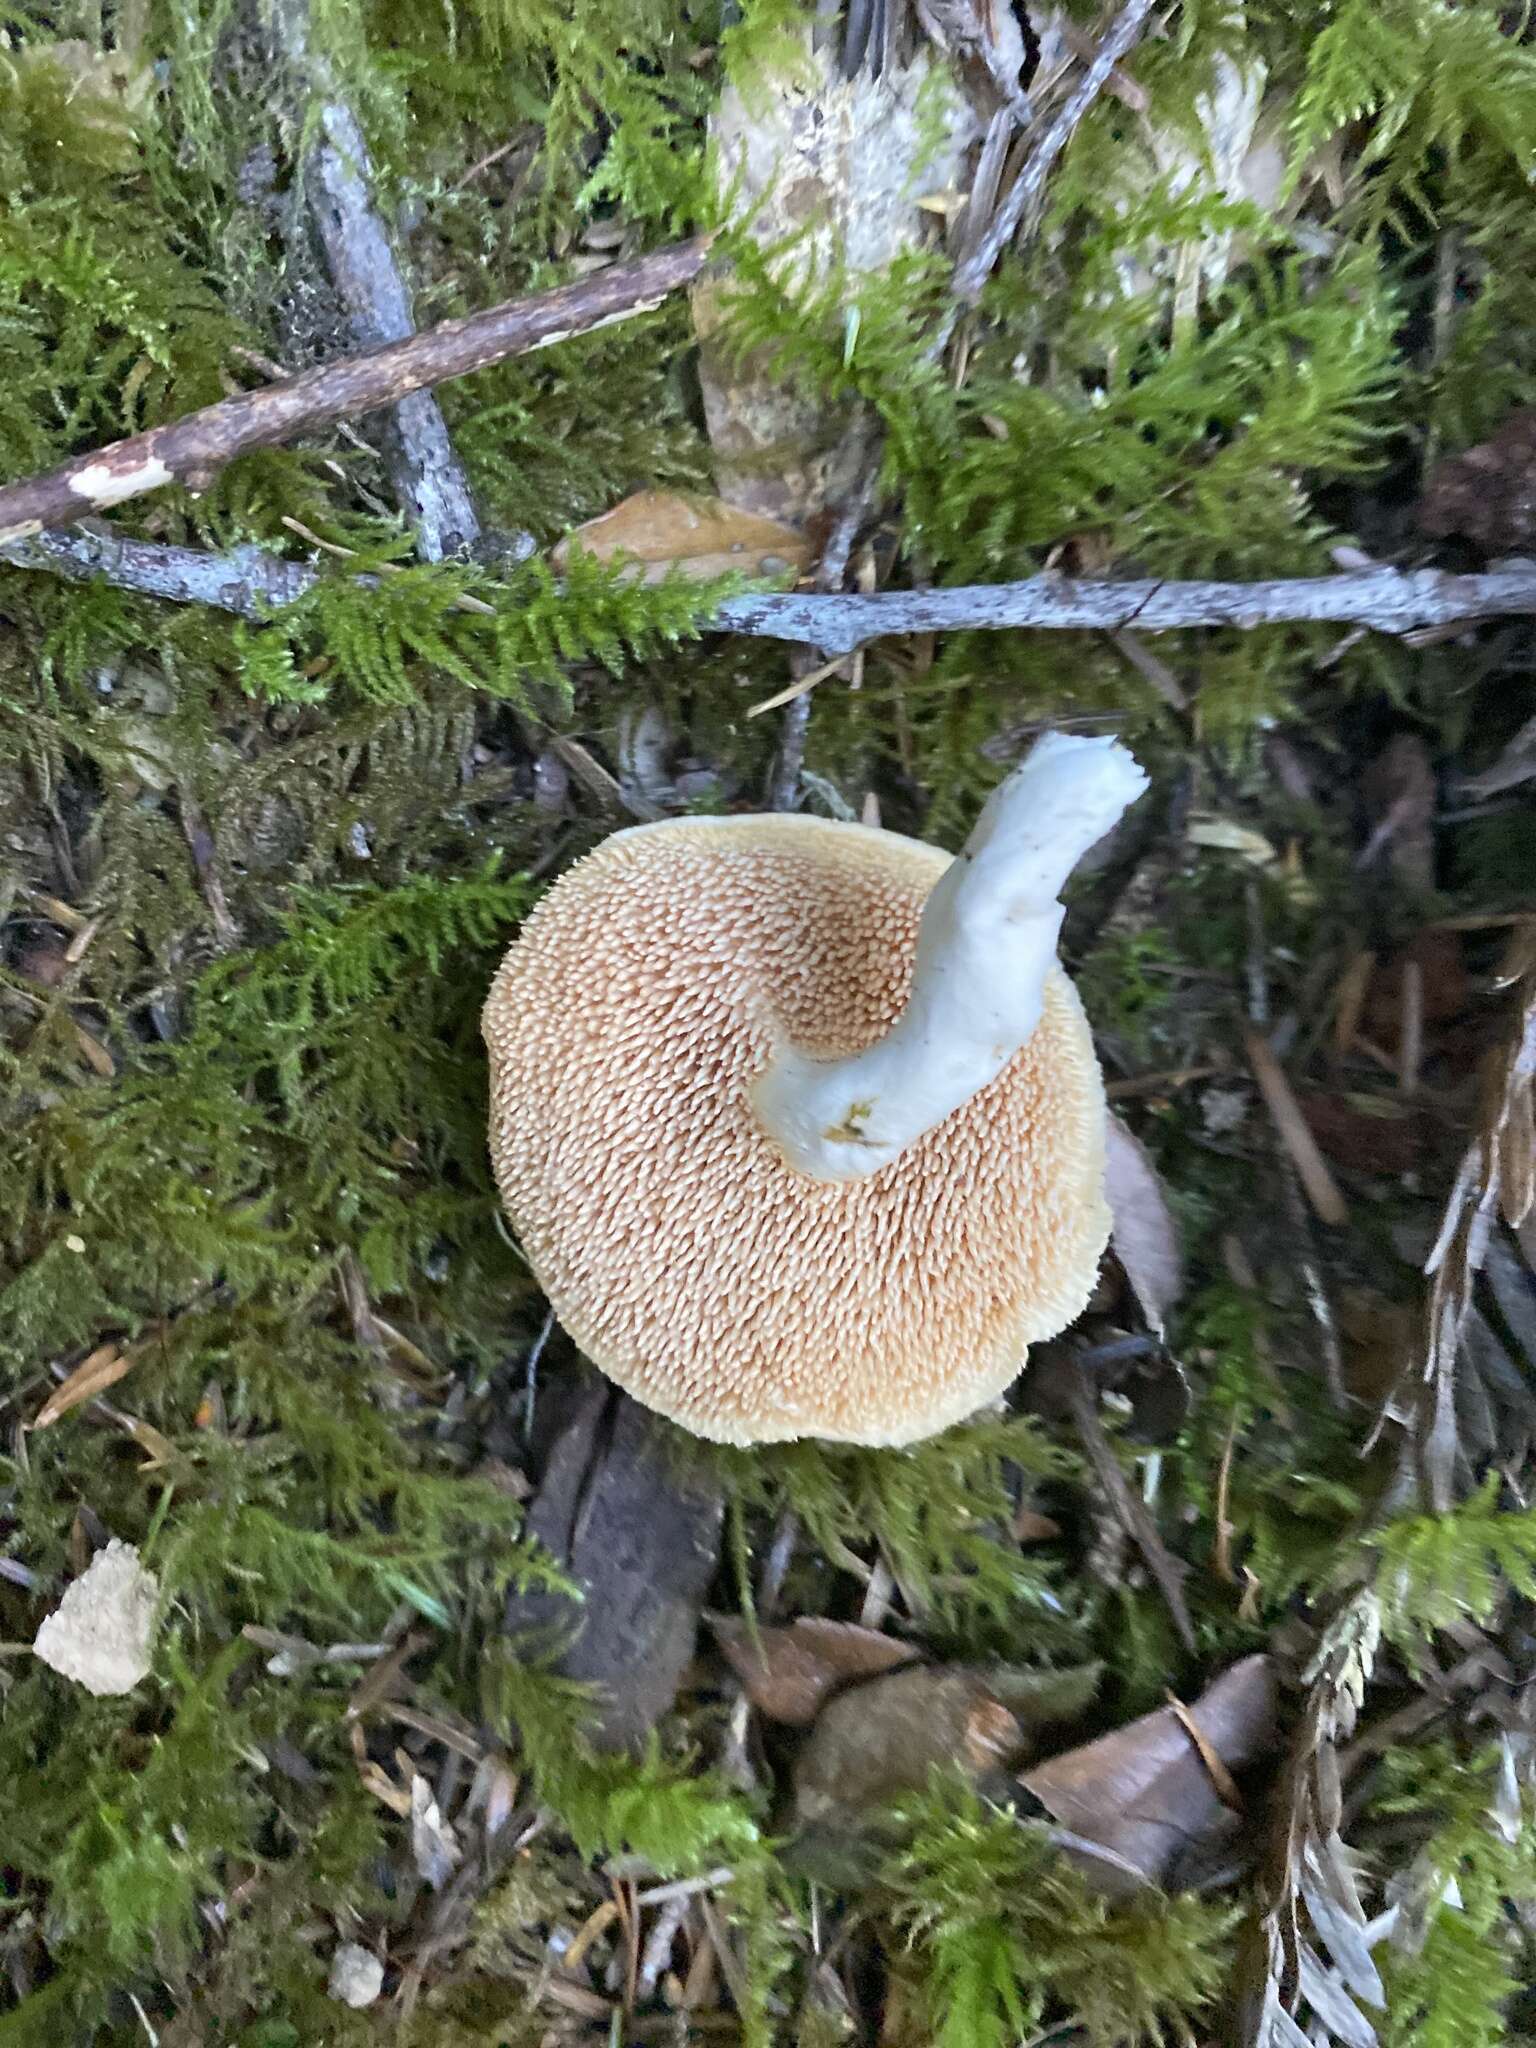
(357, 1976)
(104, 485)
(101, 1631)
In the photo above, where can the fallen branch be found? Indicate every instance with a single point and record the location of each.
(191, 451)
(250, 582)
(1390, 600)
(247, 581)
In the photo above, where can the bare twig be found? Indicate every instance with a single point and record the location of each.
(1025, 193)
(1322, 1189)
(191, 451)
(427, 477)
(1390, 600)
(250, 583)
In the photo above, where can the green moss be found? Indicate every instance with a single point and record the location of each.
(1010, 1935)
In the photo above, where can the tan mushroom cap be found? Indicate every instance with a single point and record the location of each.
(746, 1301)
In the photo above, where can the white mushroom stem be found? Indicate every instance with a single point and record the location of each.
(984, 948)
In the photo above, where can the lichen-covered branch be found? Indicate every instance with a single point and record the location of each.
(250, 583)
(1390, 600)
(191, 451)
(247, 581)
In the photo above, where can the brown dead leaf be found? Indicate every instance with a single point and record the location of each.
(1143, 1234)
(106, 1365)
(1489, 493)
(96, 1055)
(1030, 1526)
(991, 1736)
(659, 531)
(1140, 1803)
(1221, 1777)
(1378, 1335)
(1445, 984)
(43, 961)
(788, 1672)
(1369, 1133)
(887, 1736)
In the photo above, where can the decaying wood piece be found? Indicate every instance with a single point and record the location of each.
(639, 1532)
(824, 171)
(191, 451)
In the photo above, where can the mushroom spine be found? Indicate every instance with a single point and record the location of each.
(985, 946)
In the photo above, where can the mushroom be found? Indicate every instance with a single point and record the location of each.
(799, 1123)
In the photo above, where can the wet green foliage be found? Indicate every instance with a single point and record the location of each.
(1462, 1961)
(1009, 1935)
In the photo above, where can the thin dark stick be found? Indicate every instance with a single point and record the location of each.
(1129, 1508)
(191, 451)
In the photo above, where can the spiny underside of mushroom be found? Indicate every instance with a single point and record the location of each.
(748, 1301)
